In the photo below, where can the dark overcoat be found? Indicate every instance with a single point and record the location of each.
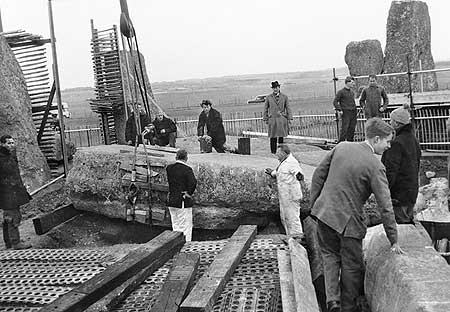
(277, 114)
(13, 193)
(214, 126)
(181, 178)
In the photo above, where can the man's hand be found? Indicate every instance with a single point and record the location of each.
(268, 171)
(129, 142)
(186, 195)
(395, 248)
(339, 112)
(163, 130)
(381, 109)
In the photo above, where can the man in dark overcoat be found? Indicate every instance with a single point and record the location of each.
(278, 115)
(372, 97)
(182, 184)
(212, 119)
(402, 162)
(340, 186)
(13, 193)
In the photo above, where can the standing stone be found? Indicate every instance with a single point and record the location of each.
(16, 120)
(364, 58)
(408, 32)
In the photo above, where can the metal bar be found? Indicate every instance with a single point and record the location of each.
(58, 88)
(46, 185)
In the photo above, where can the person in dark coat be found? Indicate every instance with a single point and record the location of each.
(164, 131)
(131, 128)
(182, 184)
(340, 186)
(371, 98)
(277, 114)
(212, 119)
(344, 103)
(402, 162)
(13, 193)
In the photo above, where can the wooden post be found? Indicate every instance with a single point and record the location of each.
(244, 146)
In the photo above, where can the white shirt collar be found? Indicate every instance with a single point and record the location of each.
(371, 147)
(182, 162)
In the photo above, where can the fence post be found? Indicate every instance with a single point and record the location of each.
(335, 79)
(411, 102)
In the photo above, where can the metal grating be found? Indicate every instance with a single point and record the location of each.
(30, 279)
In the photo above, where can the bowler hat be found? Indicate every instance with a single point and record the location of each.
(275, 84)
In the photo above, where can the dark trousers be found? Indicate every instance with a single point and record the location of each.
(274, 143)
(11, 222)
(342, 257)
(163, 140)
(348, 125)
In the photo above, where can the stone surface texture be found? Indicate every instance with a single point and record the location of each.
(16, 120)
(231, 188)
(418, 280)
(432, 202)
(364, 58)
(408, 32)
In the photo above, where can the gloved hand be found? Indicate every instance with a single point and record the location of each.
(300, 176)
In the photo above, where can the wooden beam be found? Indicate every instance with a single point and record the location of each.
(45, 223)
(205, 293)
(126, 180)
(305, 294)
(286, 282)
(177, 284)
(163, 246)
(167, 149)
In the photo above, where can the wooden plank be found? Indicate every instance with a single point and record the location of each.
(139, 170)
(164, 246)
(205, 293)
(112, 299)
(45, 223)
(154, 162)
(178, 283)
(142, 153)
(286, 282)
(305, 294)
(167, 149)
(126, 180)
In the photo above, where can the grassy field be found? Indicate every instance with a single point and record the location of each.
(311, 91)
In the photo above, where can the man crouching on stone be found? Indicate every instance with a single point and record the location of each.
(340, 186)
(182, 184)
(288, 175)
(13, 193)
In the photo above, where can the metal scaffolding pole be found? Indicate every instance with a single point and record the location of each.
(58, 88)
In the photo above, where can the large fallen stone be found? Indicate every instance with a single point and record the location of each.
(231, 188)
(408, 32)
(16, 120)
(364, 58)
(417, 281)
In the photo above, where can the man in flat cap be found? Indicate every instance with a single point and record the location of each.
(402, 162)
(277, 115)
(344, 103)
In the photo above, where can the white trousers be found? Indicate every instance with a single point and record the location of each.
(182, 221)
(290, 215)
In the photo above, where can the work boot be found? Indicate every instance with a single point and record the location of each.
(334, 306)
(21, 245)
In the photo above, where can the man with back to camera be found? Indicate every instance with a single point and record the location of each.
(344, 103)
(13, 193)
(371, 98)
(182, 184)
(163, 131)
(277, 115)
(340, 186)
(402, 162)
(212, 120)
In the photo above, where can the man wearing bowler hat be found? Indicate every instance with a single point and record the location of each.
(277, 115)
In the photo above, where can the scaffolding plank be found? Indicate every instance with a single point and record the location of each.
(164, 246)
(178, 283)
(286, 282)
(205, 293)
(46, 222)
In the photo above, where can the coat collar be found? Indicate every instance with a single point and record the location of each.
(182, 162)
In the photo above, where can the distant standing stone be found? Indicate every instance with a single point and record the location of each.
(408, 32)
(364, 58)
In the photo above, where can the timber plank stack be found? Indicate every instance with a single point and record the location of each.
(31, 54)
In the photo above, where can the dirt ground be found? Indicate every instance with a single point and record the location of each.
(88, 230)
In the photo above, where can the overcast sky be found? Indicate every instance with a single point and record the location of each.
(205, 38)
